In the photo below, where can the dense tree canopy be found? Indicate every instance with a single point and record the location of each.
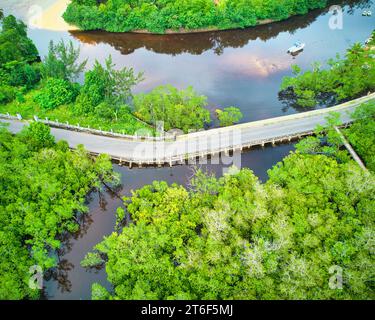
(234, 238)
(305, 234)
(43, 186)
(297, 236)
(18, 55)
(14, 43)
(160, 15)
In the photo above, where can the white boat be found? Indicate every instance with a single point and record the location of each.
(368, 41)
(367, 13)
(297, 47)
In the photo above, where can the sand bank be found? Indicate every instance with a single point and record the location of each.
(50, 18)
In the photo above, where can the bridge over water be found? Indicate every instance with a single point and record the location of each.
(205, 143)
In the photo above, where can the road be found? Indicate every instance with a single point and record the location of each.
(201, 143)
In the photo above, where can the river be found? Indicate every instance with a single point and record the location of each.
(242, 68)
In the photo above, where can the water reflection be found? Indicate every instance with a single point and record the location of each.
(60, 276)
(67, 275)
(198, 43)
(242, 68)
(248, 64)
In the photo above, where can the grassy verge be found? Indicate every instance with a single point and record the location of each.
(28, 108)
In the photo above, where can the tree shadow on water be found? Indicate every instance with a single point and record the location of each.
(217, 41)
(60, 275)
(288, 100)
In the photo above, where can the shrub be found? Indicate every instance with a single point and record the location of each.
(110, 111)
(92, 260)
(14, 43)
(62, 62)
(7, 93)
(181, 109)
(37, 136)
(229, 116)
(57, 92)
(83, 105)
(24, 74)
(105, 83)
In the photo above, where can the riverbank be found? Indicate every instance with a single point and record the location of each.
(176, 17)
(51, 19)
(201, 30)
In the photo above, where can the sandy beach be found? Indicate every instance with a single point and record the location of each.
(50, 18)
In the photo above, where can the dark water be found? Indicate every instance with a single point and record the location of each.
(241, 68)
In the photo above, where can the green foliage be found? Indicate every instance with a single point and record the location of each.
(106, 91)
(102, 102)
(23, 74)
(159, 15)
(56, 92)
(37, 136)
(345, 78)
(181, 109)
(92, 260)
(229, 116)
(326, 141)
(105, 83)
(99, 292)
(62, 62)
(361, 134)
(42, 188)
(18, 55)
(14, 43)
(25, 105)
(234, 238)
(7, 93)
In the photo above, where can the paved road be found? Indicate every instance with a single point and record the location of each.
(201, 143)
